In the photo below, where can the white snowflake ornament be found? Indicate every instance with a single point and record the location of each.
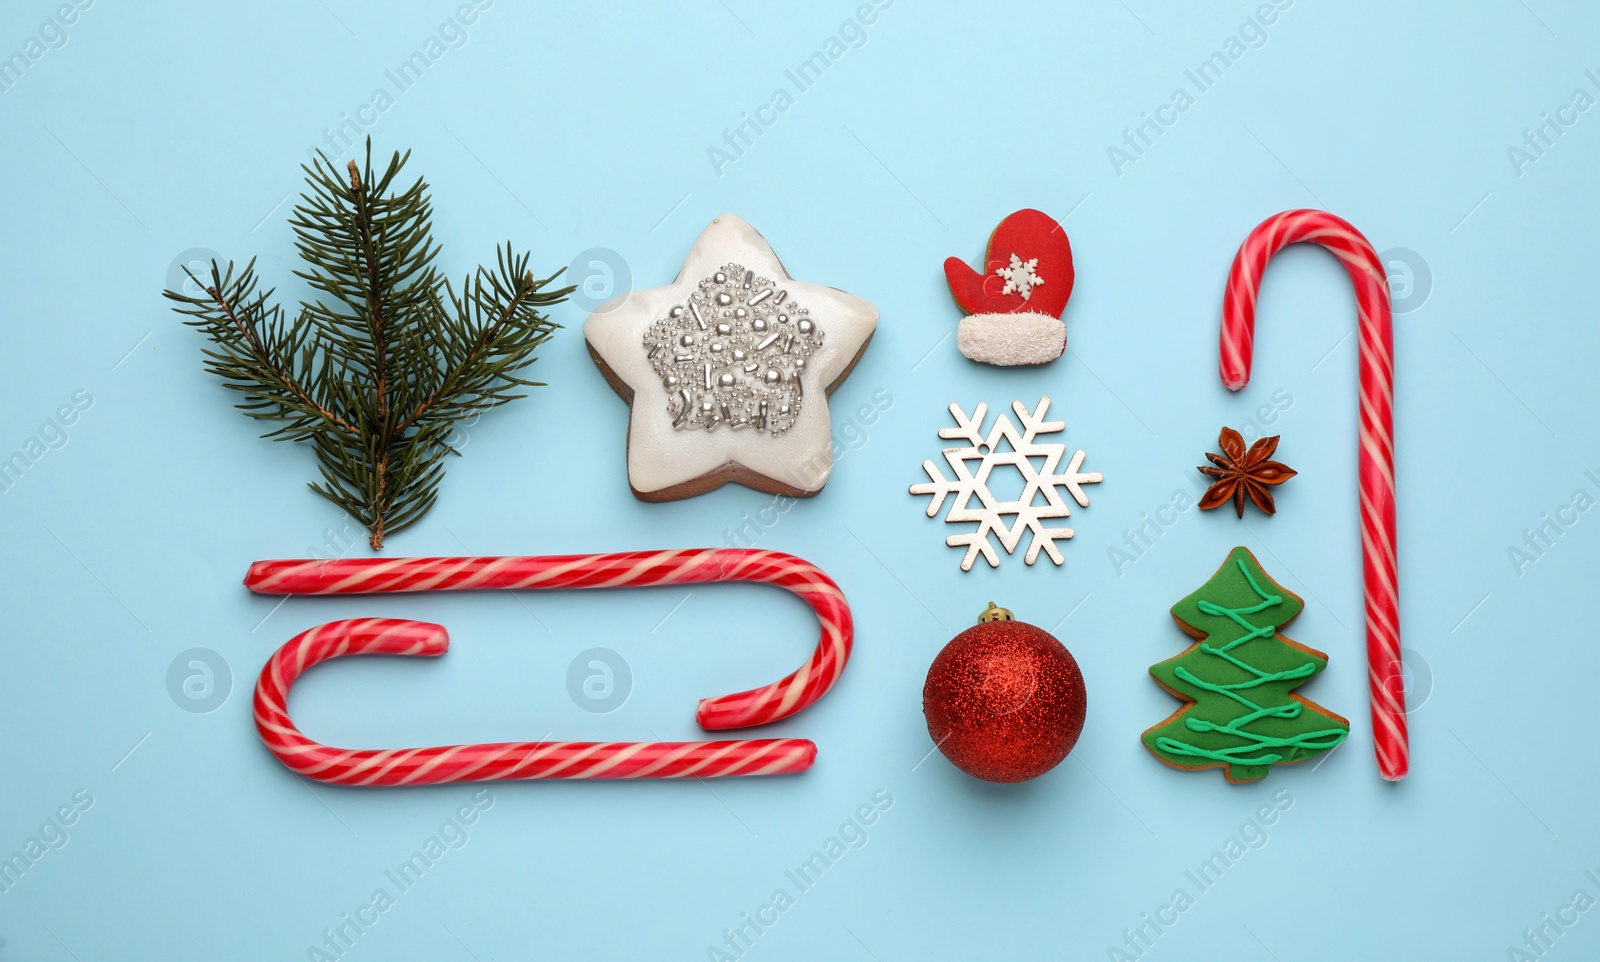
(1021, 277)
(1043, 479)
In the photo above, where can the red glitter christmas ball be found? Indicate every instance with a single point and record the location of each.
(1004, 700)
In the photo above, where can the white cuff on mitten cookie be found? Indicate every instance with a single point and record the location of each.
(1025, 337)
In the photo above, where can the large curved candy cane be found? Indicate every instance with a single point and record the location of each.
(421, 766)
(1376, 458)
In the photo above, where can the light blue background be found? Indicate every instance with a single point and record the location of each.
(160, 128)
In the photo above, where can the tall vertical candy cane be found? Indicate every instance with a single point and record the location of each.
(421, 766)
(1376, 457)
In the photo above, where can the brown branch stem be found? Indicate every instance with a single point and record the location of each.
(380, 348)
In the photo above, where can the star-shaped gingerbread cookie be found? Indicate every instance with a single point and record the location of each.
(728, 369)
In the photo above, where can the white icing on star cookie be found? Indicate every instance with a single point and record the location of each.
(727, 369)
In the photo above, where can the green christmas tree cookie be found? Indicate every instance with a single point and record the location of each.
(1239, 679)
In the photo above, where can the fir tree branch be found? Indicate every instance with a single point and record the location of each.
(250, 360)
(376, 371)
(479, 376)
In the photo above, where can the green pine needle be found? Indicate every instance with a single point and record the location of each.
(377, 372)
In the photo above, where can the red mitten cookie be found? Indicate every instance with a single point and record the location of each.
(1014, 307)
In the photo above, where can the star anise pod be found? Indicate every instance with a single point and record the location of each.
(1240, 473)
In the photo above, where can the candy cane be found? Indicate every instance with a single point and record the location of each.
(1376, 457)
(419, 766)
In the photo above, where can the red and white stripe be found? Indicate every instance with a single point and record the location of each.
(544, 759)
(1376, 454)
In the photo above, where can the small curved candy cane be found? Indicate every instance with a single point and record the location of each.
(1376, 457)
(419, 766)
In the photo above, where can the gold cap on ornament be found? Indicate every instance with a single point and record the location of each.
(995, 613)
